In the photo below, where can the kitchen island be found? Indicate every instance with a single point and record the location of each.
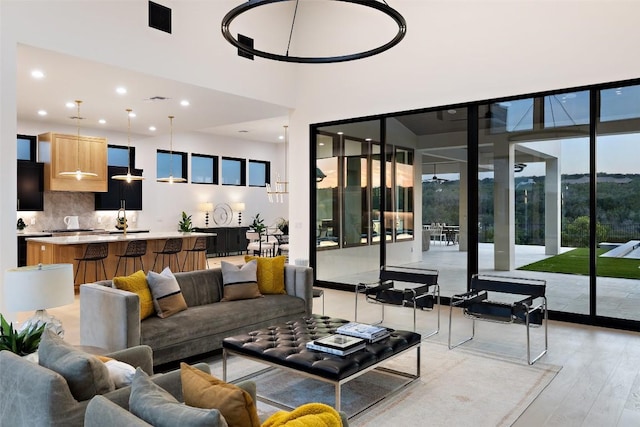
(65, 249)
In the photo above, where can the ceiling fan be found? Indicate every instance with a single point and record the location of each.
(435, 178)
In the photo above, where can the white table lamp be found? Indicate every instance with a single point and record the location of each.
(38, 287)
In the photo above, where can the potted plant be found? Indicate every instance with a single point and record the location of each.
(258, 224)
(21, 343)
(21, 225)
(185, 225)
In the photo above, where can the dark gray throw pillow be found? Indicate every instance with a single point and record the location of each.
(86, 376)
(159, 408)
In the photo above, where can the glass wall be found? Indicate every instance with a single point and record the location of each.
(557, 192)
(618, 203)
(349, 220)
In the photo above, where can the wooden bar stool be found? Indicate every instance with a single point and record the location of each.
(171, 247)
(95, 252)
(136, 249)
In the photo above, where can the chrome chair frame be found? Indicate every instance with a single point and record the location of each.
(383, 292)
(527, 311)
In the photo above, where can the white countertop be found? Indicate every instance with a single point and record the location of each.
(99, 238)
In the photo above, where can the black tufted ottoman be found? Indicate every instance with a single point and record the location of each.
(283, 346)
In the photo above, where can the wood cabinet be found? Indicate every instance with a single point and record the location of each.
(130, 192)
(63, 153)
(30, 179)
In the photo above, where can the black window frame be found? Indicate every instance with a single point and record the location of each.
(184, 156)
(132, 154)
(33, 144)
(243, 171)
(267, 172)
(215, 167)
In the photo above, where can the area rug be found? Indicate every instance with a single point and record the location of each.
(457, 387)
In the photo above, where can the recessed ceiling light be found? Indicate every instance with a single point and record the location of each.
(321, 144)
(70, 104)
(102, 121)
(121, 90)
(42, 113)
(281, 137)
(37, 74)
(152, 128)
(340, 133)
(184, 103)
(367, 139)
(451, 111)
(132, 114)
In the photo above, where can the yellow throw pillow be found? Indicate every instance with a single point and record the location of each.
(202, 390)
(270, 274)
(137, 283)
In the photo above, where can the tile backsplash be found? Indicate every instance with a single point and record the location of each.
(58, 204)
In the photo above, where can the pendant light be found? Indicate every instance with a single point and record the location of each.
(171, 179)
(277, 192)
(79, 174)
(128, 177)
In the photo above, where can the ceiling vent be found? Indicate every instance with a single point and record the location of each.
(159, 17)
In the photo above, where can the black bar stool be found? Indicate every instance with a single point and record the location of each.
(135, 249)
(200, 245)
(95, 252)
(171, 247)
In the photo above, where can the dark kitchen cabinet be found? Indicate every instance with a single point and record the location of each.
(30, 179)
(130, 192)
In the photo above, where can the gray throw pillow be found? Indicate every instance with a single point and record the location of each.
(240, 282)
(158, 407)
(84, 373)
(167, 295)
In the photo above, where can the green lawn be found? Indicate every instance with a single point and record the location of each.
(577, 262)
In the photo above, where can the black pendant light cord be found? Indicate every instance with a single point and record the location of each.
(293, 22)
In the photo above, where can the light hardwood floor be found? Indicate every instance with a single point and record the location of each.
(599, 384)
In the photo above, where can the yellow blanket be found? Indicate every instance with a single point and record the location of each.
(309, 415)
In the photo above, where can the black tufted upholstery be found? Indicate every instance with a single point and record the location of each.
(284, 344)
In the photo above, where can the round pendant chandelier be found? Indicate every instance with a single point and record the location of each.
(382, 7)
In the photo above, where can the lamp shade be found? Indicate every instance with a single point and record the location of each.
(206, 207)
(238, 207)
(38, 287)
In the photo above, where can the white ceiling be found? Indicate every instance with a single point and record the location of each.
(68, 78)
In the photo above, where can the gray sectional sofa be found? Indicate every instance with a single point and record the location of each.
(110, 318)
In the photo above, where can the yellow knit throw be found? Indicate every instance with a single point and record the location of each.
(308, 415)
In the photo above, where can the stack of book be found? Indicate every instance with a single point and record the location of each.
(340, 345)
(370, 333)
